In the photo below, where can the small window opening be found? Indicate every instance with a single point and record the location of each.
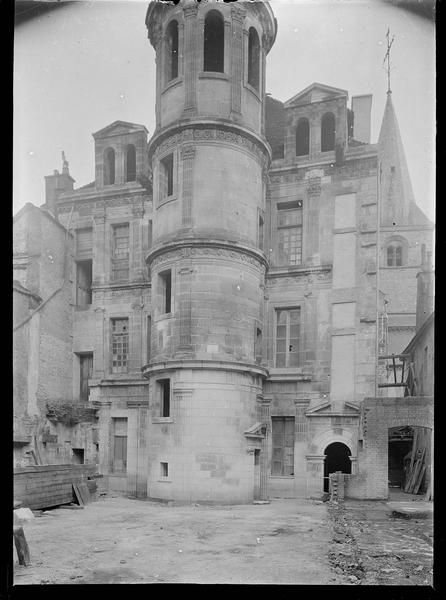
(172, 51)
(166, 290)
(164, 469)
(253, 59)
(167, 176)
(84, 277)
(109, 166)
(394, 255)
(78, 456)
(258, 345)
(303, 138)
(392, 169)
(214, 42)
(130, 171)
(328, 132)
(149, 337)
(164, 388)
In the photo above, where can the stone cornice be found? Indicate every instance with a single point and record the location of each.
(211, 247)
(214, 365)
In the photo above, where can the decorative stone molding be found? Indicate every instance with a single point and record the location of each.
(216, 133)
(187, 152)
(215, 249)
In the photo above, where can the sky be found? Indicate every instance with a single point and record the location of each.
(83, 66)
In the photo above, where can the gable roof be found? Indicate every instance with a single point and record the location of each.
(315, 93)
(119, 128)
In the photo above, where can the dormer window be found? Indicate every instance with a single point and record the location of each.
(328, 130)
(172, 51)
(109, 166)
(214, 42)
(303, 137)
(254, 59)
(130, 163)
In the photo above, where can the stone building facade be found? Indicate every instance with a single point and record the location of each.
(226, 273)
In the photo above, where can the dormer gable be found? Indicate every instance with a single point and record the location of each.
(316, 92)
(120, 154)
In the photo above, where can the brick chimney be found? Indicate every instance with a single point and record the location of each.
(55, 185)
(425, 288)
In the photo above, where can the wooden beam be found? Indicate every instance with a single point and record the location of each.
(21, 546)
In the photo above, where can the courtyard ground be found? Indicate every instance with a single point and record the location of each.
(120, 540)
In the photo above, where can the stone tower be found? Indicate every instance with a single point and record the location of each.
(209, 160)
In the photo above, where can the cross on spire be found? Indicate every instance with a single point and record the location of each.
(387, 57)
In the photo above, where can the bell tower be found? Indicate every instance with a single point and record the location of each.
(209, 160)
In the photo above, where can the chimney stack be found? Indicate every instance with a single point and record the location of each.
(55, 185)
(362, 109)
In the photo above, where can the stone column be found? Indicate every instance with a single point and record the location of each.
(132, 449)
(300, 445)
(263, 415)
(99, 351)
(159, 78)
(237, 57)
(99, 253)
(315, 475)
(136, 258)
(311, 231)
(190, 59)
(263, 81)
(185, 304)
(135, 338)
(187, 157)
(105, 437)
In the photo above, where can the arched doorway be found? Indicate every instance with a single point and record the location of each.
(337, 458)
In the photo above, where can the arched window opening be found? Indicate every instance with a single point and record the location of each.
(303, 137)
(214, 42)
(253, 59)
(395, 254)
(172, 51)
(109, 166)
(328, 131)
(130, 167)
(337, 458)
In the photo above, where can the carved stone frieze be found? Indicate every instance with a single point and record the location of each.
(208, 251)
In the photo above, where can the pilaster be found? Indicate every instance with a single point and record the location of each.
(190, 56)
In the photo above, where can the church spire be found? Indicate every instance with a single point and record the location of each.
(398, 205)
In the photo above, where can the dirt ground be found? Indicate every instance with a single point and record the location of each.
(373, 547)
(120, 540)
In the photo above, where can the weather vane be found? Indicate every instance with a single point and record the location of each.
(387, 57)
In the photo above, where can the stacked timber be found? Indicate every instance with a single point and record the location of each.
(417, 468)
(43, 486)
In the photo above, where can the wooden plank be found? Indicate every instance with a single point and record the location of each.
(83, 489)
(78, 495)
(21, 546)
(411, 477)
(419, 479)
(427, 496)
(414, 447)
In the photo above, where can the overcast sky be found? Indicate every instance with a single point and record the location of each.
(79, 68)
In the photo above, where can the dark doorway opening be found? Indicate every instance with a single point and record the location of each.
(400, 446)
(337, 458)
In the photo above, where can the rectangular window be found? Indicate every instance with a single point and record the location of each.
(86, 371)
(120, 252)
(260, 232)
(149, 338)
(164, 397)
(283, 446)
(84, 276)
(289, 233)
(287, 337)
(84, 243)
(120, 445)
(164, 469)
(120, 345)
(165, 282)
(166, 183)
(149, 234)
